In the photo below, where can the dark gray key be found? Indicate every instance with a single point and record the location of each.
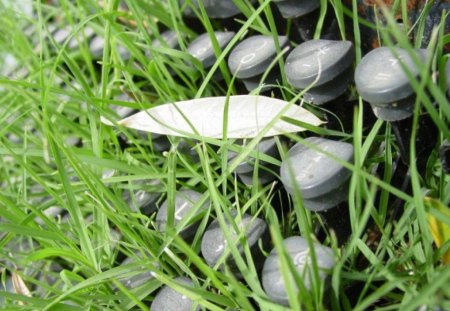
(295, 8)
(202, 49)
(214, 8)
(85, 34)
(168, 299)
(214, 243)
(252, 56)
(136, 280)
(444, 155)
(141, 200)
(395, 111)
(245, 170)
(123, 111)
(185, 201)
(298, 250)
(447, 76)
(169, 38)
(331, 90)
(97, 44)
(324, 58)
(325, 64)
(380, 79)
(321, 181)
(9, 288)
(61, 34)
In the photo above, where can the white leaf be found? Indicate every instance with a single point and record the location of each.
(19, 285)
(247, 117)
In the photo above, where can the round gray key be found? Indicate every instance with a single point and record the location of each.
(325, 59)
(97, 44)
(168, 299)
(185, 201)
(214, 243)
(295, 8)
(395, 111)
(84, 34)
(447, 76)
(169, 38)
(202, 49)
(61, 35)
(380, 79)
(245, 170)
(331, 90)
(123, 111)
(214, 8)
(320, 180)
(252, 56)
(136, 280)
(299, 252)
(144, 201)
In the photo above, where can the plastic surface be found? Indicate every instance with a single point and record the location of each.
(313, 172)
(380, 78)
(185, 201)
(252, 56)
(447, 76)
(295, 8)
(202, 49)
(323, 60)
(136, 280)
(97, 44)
(168, 299)
(300, 253)
(214, 243)
(84, 34)
(330, 90)
(169, 38)
(61, 35)
(214, 8)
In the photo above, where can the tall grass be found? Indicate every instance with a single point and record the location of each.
(55, 152)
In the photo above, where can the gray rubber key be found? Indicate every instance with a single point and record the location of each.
(380, 79)
(252, 56)
(202, 49)
(185, 201)
(169, 38)
(295, 8)
(447, 76)
(320, 180)
(245, 170)
(331, 90)
(214, 243)
(84, 34)
(168, 299)
(300, 253)
(323, 60)
(214, 8)
(97, 44)
(61, 34)
(136, 280)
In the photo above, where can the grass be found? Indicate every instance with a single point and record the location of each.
(72, 261)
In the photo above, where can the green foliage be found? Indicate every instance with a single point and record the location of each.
(392, 266)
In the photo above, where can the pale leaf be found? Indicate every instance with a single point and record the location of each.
(19, 285)
(248, 115)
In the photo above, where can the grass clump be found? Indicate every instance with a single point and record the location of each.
(71, 186)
